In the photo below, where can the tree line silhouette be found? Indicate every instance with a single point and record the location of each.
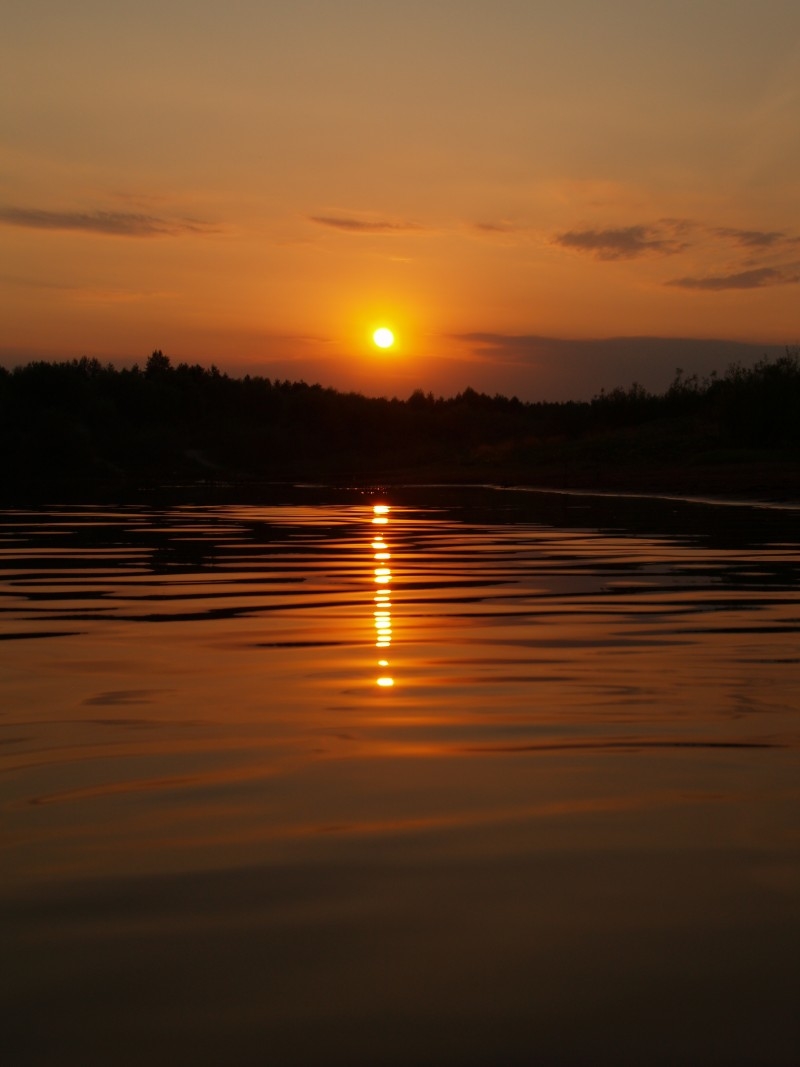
(83, 420)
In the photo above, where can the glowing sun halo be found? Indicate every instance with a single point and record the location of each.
(383, 338)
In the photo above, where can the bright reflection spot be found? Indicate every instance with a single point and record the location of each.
(382, 616)
(386, 682)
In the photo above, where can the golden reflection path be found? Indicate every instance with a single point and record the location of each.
(382, 577)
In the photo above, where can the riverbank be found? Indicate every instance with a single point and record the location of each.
(751, 480)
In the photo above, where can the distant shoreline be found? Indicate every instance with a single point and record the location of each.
(768, 484)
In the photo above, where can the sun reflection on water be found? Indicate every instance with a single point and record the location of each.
(382, 576)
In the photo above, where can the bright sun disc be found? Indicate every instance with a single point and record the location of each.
(383, 338)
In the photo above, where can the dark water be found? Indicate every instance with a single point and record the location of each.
(482, 778)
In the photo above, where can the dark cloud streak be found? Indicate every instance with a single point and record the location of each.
(758, 278)
(107, 223)
(496, 227)
(549, 368)
(752, 238)
(625, 242)
(365, 226)
(662, 236)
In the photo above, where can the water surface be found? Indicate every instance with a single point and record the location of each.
(422, 776)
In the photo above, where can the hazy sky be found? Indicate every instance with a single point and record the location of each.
(506, 184)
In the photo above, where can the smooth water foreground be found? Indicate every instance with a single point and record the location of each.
(416, 777)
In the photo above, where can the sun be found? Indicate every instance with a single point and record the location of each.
(383, 338)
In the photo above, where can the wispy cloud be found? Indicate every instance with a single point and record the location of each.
(753, 238)
(497, 227)
(108, 223)
(624, 242)
(758, 278)
(746, 258)
(350, 224)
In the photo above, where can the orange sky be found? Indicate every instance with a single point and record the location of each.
(505, 184)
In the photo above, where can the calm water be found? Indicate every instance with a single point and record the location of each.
(419, 777)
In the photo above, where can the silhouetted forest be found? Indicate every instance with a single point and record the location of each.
(86, 422)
